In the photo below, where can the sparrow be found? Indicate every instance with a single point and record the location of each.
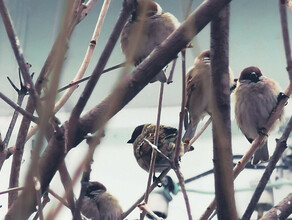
(255, 98)
(147, 28)
(98, 204)
(199, 92)
(142, 138)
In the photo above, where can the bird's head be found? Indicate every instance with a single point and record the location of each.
(251, 74)
(204, 57)
(146, 8)
(138, 130)
(94, 188)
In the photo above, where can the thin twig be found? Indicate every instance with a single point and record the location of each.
(19, 109)
(163, 174)
(77, 173)
(11, 190)
(62, 200)
(170, 77)
(146, 209)
(76, 82)
(128, 6)
(178, 140)
(81, 71)
(153, 154)
(46, 200)
(285, 34)
(280, 148)
(154, 147)
(92, 142)
(201, 131)
(17, 51)
(87, 56)
(87, 7)
(68, 186)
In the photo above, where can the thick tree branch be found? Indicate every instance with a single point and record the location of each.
(132, 84)
(222, 152)
(274, 115)
(49, 164)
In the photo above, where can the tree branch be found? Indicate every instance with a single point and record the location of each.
(128, 6)
(222, 152)
(19, 109)
(280, 211)
(132, 84)
(18, 51)
(280, 148)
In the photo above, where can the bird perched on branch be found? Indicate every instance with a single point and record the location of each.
(147, 28)
(255, 98)
(98, 204)
(143, 136)
(199, 92)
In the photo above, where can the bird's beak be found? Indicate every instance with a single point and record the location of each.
(130, 141)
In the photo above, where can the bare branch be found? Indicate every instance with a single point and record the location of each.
(280, 148)
(280, 211)
(87, 7)
(93, 142)
(154, 153)
(178, 140)
(19, 109)
(128, 7)
(63, 201)
(285, 34)
(87, 56)
(18, 51)
(68, 186)
(146, 209)
(12, 189)
(126, 213)
(132, 84)
(201, 131)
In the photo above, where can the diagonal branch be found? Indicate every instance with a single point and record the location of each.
(127, 9)
(132, 84)
(281, 211)
(19, 109)
(280, 148)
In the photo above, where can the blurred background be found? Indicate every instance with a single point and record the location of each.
(255, 39)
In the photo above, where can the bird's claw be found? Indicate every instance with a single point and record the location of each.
(282, 96)
(262, 131)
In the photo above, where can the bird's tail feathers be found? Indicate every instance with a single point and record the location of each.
(159, 77)
(261, 155)
(190, 132)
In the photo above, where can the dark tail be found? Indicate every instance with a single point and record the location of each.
(261, 155)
